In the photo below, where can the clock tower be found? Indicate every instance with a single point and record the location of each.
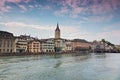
(57, 32)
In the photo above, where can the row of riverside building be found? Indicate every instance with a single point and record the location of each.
(23, 43)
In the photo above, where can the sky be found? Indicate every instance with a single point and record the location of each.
(84, 19)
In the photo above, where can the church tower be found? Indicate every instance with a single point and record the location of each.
(57, 32)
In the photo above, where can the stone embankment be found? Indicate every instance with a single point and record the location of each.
(44, 53)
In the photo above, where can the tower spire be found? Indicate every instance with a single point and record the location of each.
(57, 32)
(57, 29)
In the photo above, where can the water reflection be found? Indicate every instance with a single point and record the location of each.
(57, 56)
(82, 58)
(100, 55)
(58, 64)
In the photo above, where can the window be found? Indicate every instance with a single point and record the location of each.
(11, 43)
(3, 49)
(0, 43)
(4, 44)
(11, 50)
(8, 43)
(7, 50)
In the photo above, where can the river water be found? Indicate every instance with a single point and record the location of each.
(61, 67)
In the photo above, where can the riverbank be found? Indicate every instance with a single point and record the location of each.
(43, 53)
(52, 53)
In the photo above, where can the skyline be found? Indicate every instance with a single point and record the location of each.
(84, 19)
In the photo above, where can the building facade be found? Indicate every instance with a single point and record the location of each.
(100, 46)
(7, 42)
(81, 45)
(20, 44)
(60, 45)
(34, 46)
(68, 46)
(47, 45)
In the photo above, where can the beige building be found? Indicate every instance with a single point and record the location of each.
(21, 43)
(7, 42)
(34, 46)
(79, 45)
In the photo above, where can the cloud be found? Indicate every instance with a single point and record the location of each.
(99, 19)
(36, 26)
(62, 11)
(88, 8)
(110, 34)
(68, 32)
(23, 7)
(4, 8)
(45, 31)
(14, 1)
(72, 8)
(24, 25)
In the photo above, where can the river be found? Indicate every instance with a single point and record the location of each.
(61, 67)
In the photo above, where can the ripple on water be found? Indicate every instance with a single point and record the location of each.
(85, 67)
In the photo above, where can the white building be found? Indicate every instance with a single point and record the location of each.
(60, 45)
(68, 45)
(21, 45)
(47, 45)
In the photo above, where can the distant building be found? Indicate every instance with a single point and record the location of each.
(68, 45)
(81, 45)
(34, 46)
(21, 43)
(47, 45)
(59, 45)
(7, 40)
(100, 46)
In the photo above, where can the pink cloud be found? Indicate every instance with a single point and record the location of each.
(69, 6)
(76, 7)
(14, 1)
(106, 6)
(2, 3)
(115, 3)
(30, 6)
(4, 8)
(46, 7)
(63, 10)
(101, 8)
(99, 19)
(22, 7)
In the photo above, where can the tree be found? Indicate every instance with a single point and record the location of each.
(103, 40)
